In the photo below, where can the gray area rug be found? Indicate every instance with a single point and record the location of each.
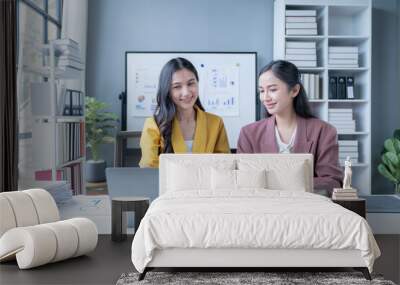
(228, 278)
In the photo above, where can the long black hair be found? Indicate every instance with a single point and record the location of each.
(165, 111)
(289, 73)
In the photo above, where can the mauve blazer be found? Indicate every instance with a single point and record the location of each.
(312, 136)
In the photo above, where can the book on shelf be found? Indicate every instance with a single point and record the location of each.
(308, 45)
(301, 13)
(343, 61)
(70, 62)
(342, 66)
(343, 49)
(70, 142)
(298, 19)
(333, 55)
(45, 175)
(310, 83)
(304, 63)
(301, 51)
(301, 57)
(350, 153)
(343, 124)
(305, 32)
(342, 160)
(311, 25)
(340, 118)
(348, 143)
(66, 42)
(311, 89)
(340, 110)
(348, 148)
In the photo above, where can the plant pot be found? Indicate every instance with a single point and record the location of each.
(95, 170)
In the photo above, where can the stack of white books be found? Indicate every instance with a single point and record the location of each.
(348, 148)
(342, 119)
(302, 54)
(343, 56)
(70, 54)
(344, 194)
(310, 83)
(301, 22)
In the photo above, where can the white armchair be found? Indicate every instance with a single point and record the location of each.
(31, 232)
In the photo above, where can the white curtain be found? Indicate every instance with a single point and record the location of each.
(74, 26)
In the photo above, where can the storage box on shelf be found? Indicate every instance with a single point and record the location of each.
(340, 54)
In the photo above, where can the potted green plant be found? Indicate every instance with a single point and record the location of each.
(99, 125)
(390, 165)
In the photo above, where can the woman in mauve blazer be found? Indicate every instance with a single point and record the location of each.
(290, 127)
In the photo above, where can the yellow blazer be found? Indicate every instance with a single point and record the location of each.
(209, 137)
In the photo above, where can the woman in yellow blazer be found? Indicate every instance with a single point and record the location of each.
(180, 124)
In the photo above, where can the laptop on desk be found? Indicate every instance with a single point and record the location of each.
(132, 181)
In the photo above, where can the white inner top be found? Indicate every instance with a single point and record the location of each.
(283, 147)
(189, 145)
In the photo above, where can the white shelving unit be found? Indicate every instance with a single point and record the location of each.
(46, 146)
(340, 23)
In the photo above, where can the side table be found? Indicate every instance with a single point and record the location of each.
(118, 218)
(356, 205)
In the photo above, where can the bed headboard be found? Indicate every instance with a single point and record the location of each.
(282, 162)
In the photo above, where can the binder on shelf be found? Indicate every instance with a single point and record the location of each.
(333, 87)
(73, 103)
(341, 87)
(350, 87)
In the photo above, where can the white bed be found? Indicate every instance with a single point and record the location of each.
(201, 219)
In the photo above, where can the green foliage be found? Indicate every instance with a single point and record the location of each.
(390, 165)
(99, 125)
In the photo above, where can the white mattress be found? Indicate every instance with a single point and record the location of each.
(251, 219)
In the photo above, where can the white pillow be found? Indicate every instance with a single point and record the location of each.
(235, 179)
(189, 176)
(251, 178)
(282, 174)
(292, 179)
(223, 179)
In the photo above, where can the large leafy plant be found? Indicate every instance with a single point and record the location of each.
(390, 165)
(99, 125)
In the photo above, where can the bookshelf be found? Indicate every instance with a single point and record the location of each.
(58, 139)
(340, 23)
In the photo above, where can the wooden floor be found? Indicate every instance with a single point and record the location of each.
(111, 259)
